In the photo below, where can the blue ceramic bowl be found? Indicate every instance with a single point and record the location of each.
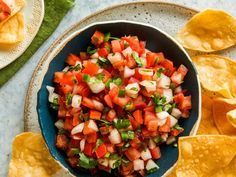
(157, 40)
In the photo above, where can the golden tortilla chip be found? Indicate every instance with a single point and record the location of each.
(15, 6)
(220, 108)
(231, 117)
(207, 124)
(13, 30)
(217, 74)
(208, 31)
(30, 157)
(204, 155)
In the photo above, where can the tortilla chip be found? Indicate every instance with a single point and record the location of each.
(203, 155)
(208, 31)
(207, 124)
(217, 74)
(220, 108)
(15, 6)
(231, 117)
(13, 30)
(30, 157)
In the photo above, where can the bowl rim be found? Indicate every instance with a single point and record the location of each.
(63, 43)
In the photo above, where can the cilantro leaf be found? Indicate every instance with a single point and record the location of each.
(137, 60)
(86, 162)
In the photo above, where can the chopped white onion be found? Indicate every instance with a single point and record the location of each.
(113, 58)
(104, 162)
(93, 125)
(95, 85)
(138, 164)
(151, 144)
(146, 154)
(145, 72)
(95, 55)
(149, 85)
(164, 81)
(66, 69)
(112, 85)
(170, 140)
(115, 137)
(164, 136)
(76, 101)
(77, 129)
(59, 124)
(161, 121)
(94, 60)
(51, 95)
(132, 90)
(111, 163)
(178, 89)
(82, 144)
(162, 115)
(176, 113)
(168, 94)
(98, 105)
(127, 52)
(128, 72)
(173, 121)
(151, 165)
(145, 53)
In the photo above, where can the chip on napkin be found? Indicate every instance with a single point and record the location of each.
(203, 155)
(31, 158)
(217, 74)
(208, 31)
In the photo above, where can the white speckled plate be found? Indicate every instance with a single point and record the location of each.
(33, 15)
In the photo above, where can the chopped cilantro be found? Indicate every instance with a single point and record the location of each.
(68, 99)
(158, 74)
(100, 76)
(122, 123)
(121, 93)
(103, 62)
(75, 151)
(86, 162)
(86, 78)
(55, 103)
(91, 50)
(137, 60)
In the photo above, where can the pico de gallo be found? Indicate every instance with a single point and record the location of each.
(117, 103)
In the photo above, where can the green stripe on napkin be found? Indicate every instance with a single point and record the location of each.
(55, 10)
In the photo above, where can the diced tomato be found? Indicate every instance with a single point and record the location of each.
(166, 127)
(95, 115)
(185, 113)
(139, 103)
(61, 112)
(110, 147)
(87, 103)
(120, 144)
(133, 122)
(68, 78)
(108, 101)
(134, 44)
(119, 64)
(103, 52)
(146, 93)
(135, 143)
(61, 142)
(92, 137)
(73, 161)
(182, 70)
(137, 75)
(88, 149)
(142, 45)
(75, 121)
(176, 132)
(105, 130)
(149, 109)
(152, 125)
(152, 59)
(107, 75)
(179, 97)
(91, 69)
(127, 169)
(138, 116)
(130, 62)
(121, 101)
(74, 143)
(133, 80)
(113, 92)
(68, 124)
(83, 89)
(176, 78)
(132, 154)
(115, 44)
(185, 103)
(148, 134)
(169, 67)
(83, 56)
(149, 116)
(58, 77)
(111, 115)
(156, 153)
(147, 77)
(87, 130)
(72, 59)
(97, 38)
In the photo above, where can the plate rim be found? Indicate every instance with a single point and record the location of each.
(33, 36)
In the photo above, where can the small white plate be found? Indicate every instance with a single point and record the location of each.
(33, 15)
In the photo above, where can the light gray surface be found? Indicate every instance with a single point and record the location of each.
(12, 94)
